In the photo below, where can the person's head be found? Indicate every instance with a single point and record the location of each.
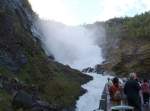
(133, 76)
(145, 80)
(124, 80)
(108, 79)
(115, 81)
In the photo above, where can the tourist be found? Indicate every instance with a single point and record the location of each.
(109, 82)
(132, 91)
(145, 91)
(115, 92)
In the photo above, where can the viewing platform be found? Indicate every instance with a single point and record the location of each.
(106, 105)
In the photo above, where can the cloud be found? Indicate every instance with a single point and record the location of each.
(121, 8)
(75, 12)
(53, 10)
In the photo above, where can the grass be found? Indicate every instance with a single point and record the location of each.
(62, 92)
(5, 100)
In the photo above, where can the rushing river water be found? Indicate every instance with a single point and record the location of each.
(90, 100)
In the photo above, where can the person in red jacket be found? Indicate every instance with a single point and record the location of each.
(145, 91)
(115, 92)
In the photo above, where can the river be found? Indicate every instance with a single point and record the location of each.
(90, 100)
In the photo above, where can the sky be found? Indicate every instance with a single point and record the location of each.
(75, 12)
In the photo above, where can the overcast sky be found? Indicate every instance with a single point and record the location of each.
(75, 12)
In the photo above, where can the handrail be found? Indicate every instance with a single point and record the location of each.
(105, 103)
(103, 100)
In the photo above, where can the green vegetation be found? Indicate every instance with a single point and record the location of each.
(5, 101)
(127, 44)
(130, 27)
(139, 26)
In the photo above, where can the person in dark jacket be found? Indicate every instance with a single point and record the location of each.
(131, 89)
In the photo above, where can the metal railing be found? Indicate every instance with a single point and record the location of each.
(103, 100)
(105, 103)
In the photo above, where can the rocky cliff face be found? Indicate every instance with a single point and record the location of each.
(15, 17)
(127, 46)
(134, 56)
(22, 59)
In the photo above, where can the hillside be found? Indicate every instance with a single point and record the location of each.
(127, 45)
(22, 59)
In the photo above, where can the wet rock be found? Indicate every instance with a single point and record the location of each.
(43, 106)
(99, 69)
(88, 70)
(51, 57)
(23, 100)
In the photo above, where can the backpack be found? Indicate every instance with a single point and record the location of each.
(117, 95)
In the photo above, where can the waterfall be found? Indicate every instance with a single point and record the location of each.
(75, 46)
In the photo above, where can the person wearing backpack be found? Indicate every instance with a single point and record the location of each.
(145, 91)
(115, 92)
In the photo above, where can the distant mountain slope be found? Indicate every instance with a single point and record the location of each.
(127, 44)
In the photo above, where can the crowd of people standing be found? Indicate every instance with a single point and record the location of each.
(132, 91)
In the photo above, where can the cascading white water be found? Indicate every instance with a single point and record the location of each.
(90, 100)
(74, 46)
